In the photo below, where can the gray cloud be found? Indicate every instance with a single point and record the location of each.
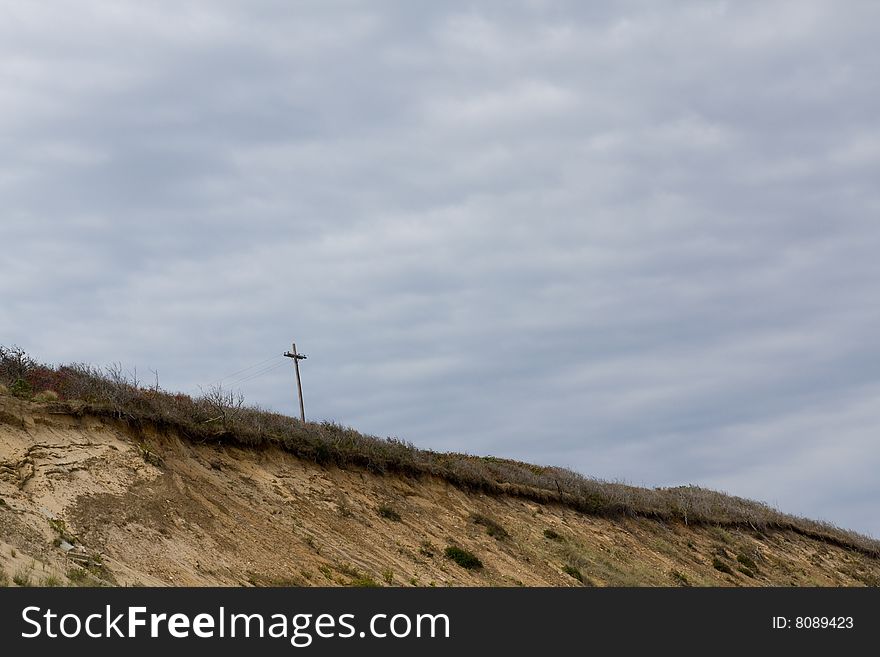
(638, 241)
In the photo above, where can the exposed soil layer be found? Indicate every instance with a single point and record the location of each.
(87, 500)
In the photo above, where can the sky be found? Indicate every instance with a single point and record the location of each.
(635, 239)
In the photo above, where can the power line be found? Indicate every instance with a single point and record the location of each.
(253, 375)
(244, 369)
(257, 374)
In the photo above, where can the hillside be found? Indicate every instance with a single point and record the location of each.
(91, 495)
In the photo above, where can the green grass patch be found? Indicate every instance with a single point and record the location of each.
(364, 582)
(464, 558)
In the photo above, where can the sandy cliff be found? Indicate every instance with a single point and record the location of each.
(90, 500)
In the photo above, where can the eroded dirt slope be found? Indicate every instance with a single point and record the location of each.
(91, 501)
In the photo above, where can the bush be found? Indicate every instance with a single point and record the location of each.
(573, 572)
(463, 558)
(388, 513)
(51, 581)
(364, 582)
(60, 528)
(552, 535)
(680, 578)
(78, 576)
(746, 571)
(149, 456)
(15, 364)
(717, 564)
(747, 561)
(493, 529)
(23, 577)
(21, 388)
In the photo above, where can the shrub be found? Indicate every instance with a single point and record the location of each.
(21, 388)
(149, 456)
(22, 577)
(15, 364)
(493, 529)
(364, 581)
(78, 576)
(680, 578)
(463, 558)
(746, 571)
(573, 572)
(51, 581)
(747, 561)
(552, 535)
(60, 528)
(388, 513)
(717, 564)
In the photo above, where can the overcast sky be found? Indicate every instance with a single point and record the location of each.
(636, 239)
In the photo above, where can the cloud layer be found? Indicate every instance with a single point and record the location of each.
(634, 240)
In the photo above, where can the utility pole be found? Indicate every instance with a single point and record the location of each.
(296, 358)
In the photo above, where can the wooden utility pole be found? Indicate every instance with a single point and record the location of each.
(296, 358)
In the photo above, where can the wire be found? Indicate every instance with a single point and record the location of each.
(257, 374)
(244, 369)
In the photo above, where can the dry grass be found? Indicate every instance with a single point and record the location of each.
(86, 390)
(46, 396)
(22, 577)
